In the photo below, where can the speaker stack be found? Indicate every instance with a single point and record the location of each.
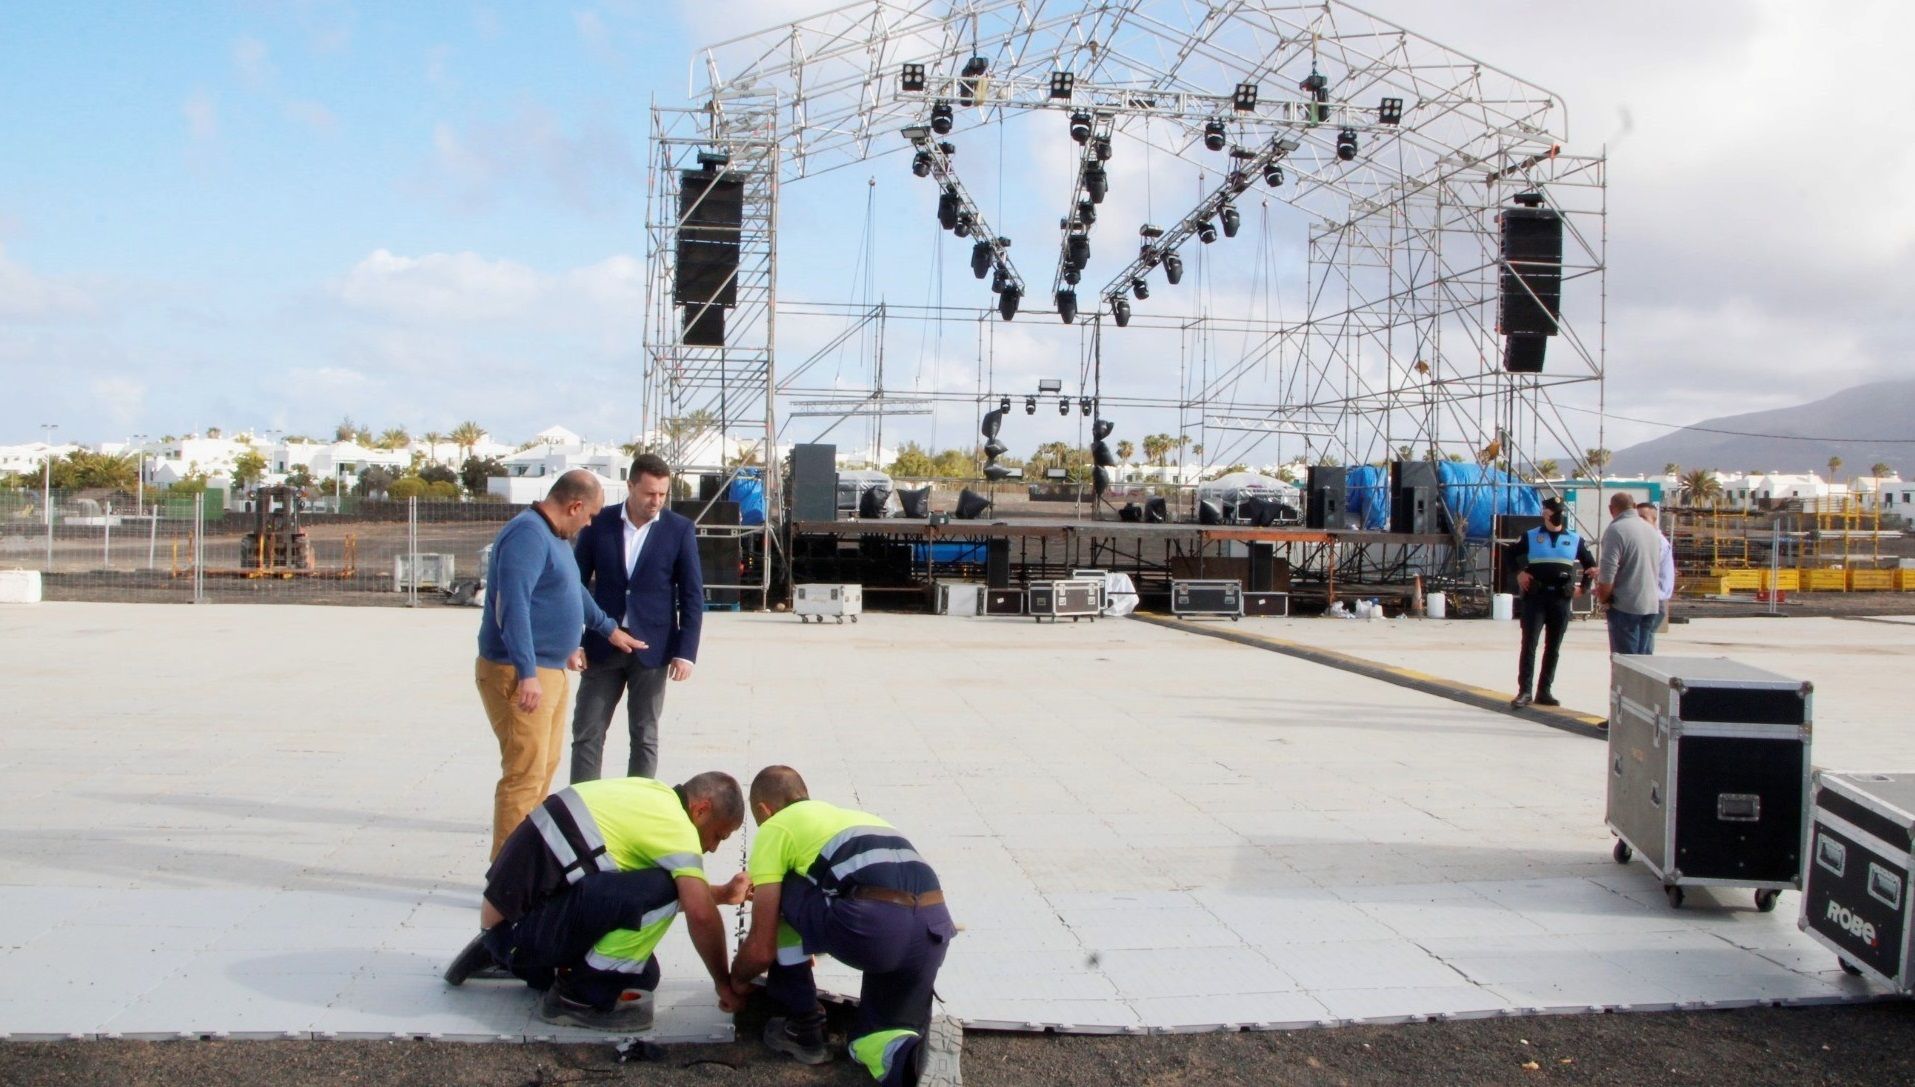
(1530, 299)
(711, 206)
(1327, 498)
(1416, 505)
(814, 482)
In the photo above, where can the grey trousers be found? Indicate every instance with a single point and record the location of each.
(599, 689)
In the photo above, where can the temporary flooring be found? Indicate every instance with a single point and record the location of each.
(262, 820)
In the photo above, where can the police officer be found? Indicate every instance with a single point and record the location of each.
(587, 885)
(846, 884)
(1552, 565)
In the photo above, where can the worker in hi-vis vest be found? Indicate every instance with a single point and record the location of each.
(846, 884)
(1553, 565)
(587, 885)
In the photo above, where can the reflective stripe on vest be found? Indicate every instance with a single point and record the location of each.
(572, 835)
(856, 849)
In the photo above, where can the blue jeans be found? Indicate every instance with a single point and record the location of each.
(1632, 633)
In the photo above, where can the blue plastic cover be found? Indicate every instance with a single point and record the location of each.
(749, 492)
(1473, 495)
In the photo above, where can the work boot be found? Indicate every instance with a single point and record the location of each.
(805, 1045)
(475, 961)
(1522, 699)
(630, 1015)
(1544, 698)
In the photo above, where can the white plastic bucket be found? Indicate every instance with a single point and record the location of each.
(1502, 607)
(1436, 605)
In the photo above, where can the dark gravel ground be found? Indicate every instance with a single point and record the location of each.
(1863, 1045)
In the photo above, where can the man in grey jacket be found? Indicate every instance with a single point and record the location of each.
(1631, 556)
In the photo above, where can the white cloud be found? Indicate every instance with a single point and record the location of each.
(202, 116)
(441, 287)
(28, 296)
(254, 62)
(123, 398)
(313, 115)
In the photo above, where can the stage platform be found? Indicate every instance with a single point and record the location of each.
(271, 821)
(1039, 528)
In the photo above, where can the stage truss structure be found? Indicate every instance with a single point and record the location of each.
(1401, 150)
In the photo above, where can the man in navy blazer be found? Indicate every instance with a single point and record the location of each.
(639, 560)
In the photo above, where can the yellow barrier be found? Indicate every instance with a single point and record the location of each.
(1824, 581)
(1698, 585)
(1788, 581)
(1905, 579)
(1738, 581)
(1871, 581)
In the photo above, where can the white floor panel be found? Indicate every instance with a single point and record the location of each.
(1127, 844)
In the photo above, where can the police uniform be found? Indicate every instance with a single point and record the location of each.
(1555, 562)
(587, 885)
(853, 888)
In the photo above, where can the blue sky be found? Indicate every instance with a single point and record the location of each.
(274, 214)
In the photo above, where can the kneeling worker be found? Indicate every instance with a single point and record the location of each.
(588, 883)
(845, 884)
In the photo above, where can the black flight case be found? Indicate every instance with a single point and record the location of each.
(1709, 773)
(1855, 894)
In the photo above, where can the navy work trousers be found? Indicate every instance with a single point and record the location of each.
(558, 933)
(898, 949)
(1545, 614)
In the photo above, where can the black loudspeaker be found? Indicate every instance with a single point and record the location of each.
(997, 564)
(1099, 480)
(1532, 278)
(719, 564)
(1415, 501)
(814, 482)
(1101, 455)
(1524, 354)
(704, 326)
(917, 504)
(709, 485)
(1131, 512)
(1263, 567)
(710, 212)
(1326, 498)
(1156, 511)
(971, 505)
(872, 502)
(707, 513)
(1209, 512)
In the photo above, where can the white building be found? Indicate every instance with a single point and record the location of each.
(29, 457)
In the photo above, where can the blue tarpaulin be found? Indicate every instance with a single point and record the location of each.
(1473, 496)
(749, 492)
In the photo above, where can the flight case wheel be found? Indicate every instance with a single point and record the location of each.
(1622, 852)
(1675, 896)
(1765, 900)
(1850, 968)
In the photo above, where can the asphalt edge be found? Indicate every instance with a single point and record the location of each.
(1571, 721)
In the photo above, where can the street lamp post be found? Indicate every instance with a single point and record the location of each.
(139, 481)
(46, 489)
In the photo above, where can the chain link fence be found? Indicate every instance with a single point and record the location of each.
(188, 548)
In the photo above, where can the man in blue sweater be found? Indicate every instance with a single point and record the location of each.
(530, 632)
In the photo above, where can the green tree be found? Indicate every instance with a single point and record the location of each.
(466, 435)
(1597, 459)
(1881, 468)
(1547, 469)
(1835, 468)
(913, 462)
(438, 473)
(405, 487)
(299, 477)
(215, 432)
(394, 438)
(1125, 451)
(346, 430)
(958, 463)
(476, 470)
(1699, 486)
(83, 470)
(374, 479)
(440, 490)
(248, 467)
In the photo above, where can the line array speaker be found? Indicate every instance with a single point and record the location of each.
(705, 272)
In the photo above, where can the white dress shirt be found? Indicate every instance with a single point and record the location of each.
(634, 540)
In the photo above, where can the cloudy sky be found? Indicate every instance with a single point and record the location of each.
(275, 213)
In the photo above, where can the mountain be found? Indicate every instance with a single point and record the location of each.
(1798, 442)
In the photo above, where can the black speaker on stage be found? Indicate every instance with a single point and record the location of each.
(917, 503)
(971, 505)
(814, 482)
(872, 502)
(709, 486)
(1529, 300)
(707, 512)
(1131, 513)
(1209, 512)
(1415, 500)
(719, 563)
(1263, 567)
(1156, 511)
(1326, 498)
(997, 564)
(704, 326)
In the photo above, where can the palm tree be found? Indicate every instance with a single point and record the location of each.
(1835, 468)
(1699, 486)
(466, 435)
(1880, 469)
(394, 437)
(1672, 469)
(1597, 459)
(1547, 469)
(1125, 450)
(1197, 451)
